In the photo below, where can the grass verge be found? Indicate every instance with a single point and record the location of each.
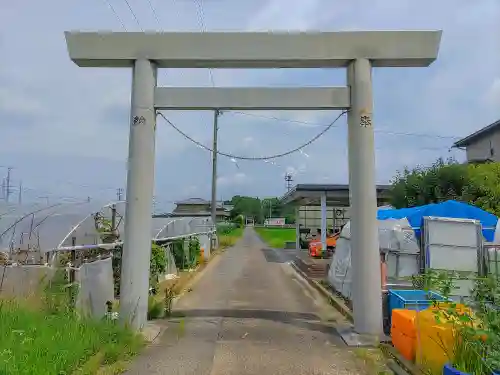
(276, 237)
(35, 342)
(372, 360)
(230, 237)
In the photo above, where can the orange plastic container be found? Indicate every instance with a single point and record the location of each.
(403, 320)
(201, 256)
(403, 332)
(404, 344)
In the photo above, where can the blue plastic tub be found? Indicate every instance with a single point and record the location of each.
(450, 370)
(412, 299)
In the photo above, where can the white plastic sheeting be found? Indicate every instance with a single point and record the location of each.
(171, 268)
(183, 226)
(96, 287)
(42, 228)
(397, 240)
(95, 282)
(21, 281)
(46, 228)
(454, 245)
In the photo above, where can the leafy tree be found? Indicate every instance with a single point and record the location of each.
(246, 206)
(259, 208)
(442, 181)
(477, 184)
(483, 189)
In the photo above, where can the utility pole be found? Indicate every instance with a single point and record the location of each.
(7, 182)
(20, 196)
(288, 181)
(217, 113)
(119, 193)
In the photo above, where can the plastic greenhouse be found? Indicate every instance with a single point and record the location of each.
(40, 229)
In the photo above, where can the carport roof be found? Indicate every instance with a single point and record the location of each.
(336, 194)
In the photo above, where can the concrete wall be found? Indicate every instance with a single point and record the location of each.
(487, 147)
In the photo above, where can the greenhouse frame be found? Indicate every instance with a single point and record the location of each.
(37, 230)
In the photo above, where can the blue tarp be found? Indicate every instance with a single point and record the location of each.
(451, 209)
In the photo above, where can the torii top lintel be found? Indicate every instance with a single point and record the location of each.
(254, 49)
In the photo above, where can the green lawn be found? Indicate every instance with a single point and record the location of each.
(276, 237)
(34, 342)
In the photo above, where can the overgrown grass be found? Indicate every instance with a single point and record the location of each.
(228, 238)
(276, 237)
(35, 342)
(43, 334)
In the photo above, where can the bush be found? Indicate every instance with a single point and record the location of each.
(186, 259)
(226, 228)
(157, 266)
(439, 182)
(478, 185)
(155, 308)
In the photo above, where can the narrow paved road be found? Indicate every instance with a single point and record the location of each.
(249, 313)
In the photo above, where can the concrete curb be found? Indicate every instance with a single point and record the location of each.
(336, 302)
(346, 332)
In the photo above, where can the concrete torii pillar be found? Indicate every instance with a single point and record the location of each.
(358, 51)
(365, 258)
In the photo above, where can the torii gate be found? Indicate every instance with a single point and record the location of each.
(357, 51)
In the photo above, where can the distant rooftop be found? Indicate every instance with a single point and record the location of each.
(198, 201)
(193, 201)
(336, 194)
(464, 142)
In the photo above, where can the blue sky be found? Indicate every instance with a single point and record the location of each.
(64, 129)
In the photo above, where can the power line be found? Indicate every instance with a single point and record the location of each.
(134, 15)
(254, 157)
(315, 124)
(115, 13)
(201, 13)
(155, 14)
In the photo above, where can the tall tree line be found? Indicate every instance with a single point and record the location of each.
(260, 209)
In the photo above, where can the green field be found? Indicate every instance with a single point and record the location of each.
(276, 237)
(35, 342)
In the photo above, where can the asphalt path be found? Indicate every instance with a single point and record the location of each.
(250, 313)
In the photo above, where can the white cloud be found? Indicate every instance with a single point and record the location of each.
(299, 15)
(231, 180)
(73, 122)
(493, 94)
(16, 101)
